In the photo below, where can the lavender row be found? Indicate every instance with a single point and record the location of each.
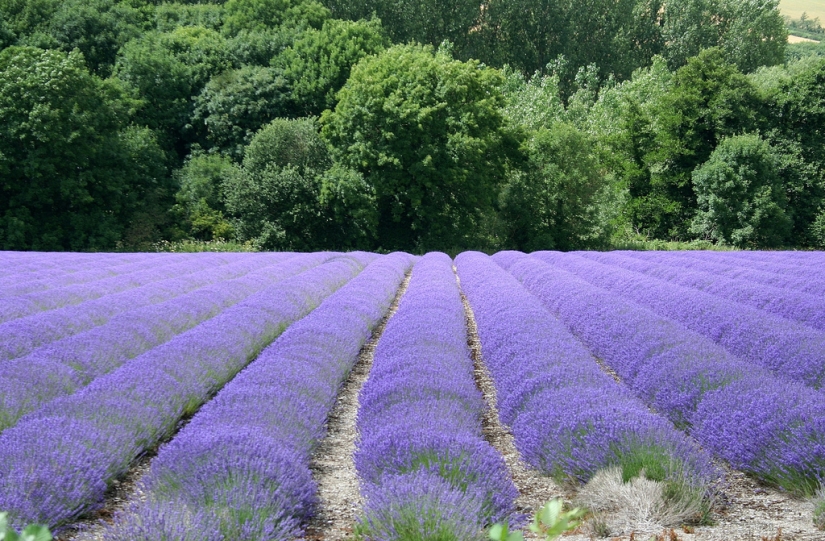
(759, 422)
(46, 264)
(800, 307)
(22, 335)
(801, 284)
(760, 261)
(788, 257)
(31, 303)
(785, 347)
(19, 285)
(57, 461)
(423, 463)
(241, 466)
(569, 418)
(65, 366)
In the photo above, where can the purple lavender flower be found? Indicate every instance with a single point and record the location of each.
(244, 457)
(787, 348)
(420, 410)
(569, 418)
(800, 307)
(693, 381)
(130, 409)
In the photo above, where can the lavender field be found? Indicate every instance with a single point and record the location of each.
(683, 375)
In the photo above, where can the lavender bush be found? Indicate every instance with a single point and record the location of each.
(22, 335)
(39, 301)
(787, 348)
(758, 421)
(420, 418)
(93, 435)
(67, 365)
(793, 281)
(244, 458)
(32, 282)
(569, 418)
(800, 307)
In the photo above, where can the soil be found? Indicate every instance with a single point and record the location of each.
(332, 463)
(746, 510)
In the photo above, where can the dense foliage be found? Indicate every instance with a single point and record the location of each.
(524, 124)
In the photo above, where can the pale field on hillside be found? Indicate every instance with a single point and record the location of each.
(795, 8)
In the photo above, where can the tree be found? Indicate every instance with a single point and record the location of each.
(165, 71)
(796, 128)
(70, 174)
(98, 28)
(740, 195)
(430, 22)
(751, 33)
(708, 100)
(200, 197)
(237, 103)
(260, 15)
(274, 196)
(553, 203)
(427, 133)
(319, 62)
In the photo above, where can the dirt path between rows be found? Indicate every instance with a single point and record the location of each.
(332, 463)
(746, 511)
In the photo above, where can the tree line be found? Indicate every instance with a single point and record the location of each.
(407, 124)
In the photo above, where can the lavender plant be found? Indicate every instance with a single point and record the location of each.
(784, 347)
(21, 336)
(759, 422)
(67, 365)
(419, 423)
(241, 466)
(788, 280)
(800, 307)
(569, 419)
(31, 303)
(95, 434)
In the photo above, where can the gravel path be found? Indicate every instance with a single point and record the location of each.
(332, 463)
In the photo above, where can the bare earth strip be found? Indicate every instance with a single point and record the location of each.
(534, 489)
(332, 462)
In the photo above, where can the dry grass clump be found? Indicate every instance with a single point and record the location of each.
(641, 505)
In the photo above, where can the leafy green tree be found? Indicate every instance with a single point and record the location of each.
(709, 99)
(260, 47)
(425, 21)
(554, 202)
(795, 127)
(169, 16)
(237, 103)
(274, 195)
(165, 71)
(751, 33)
(25, 18)
(7, 37)
(428, 134)
(200, 197)
(285, 142)
(98, 28)
(260, 15)
(319, 62)
(741, 198)
(530, 34)
(69, 178)
(755, 34)
(349, 209)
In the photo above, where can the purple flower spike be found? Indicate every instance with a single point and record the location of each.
(420, 418)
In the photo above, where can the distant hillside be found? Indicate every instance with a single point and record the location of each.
(795, 8)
